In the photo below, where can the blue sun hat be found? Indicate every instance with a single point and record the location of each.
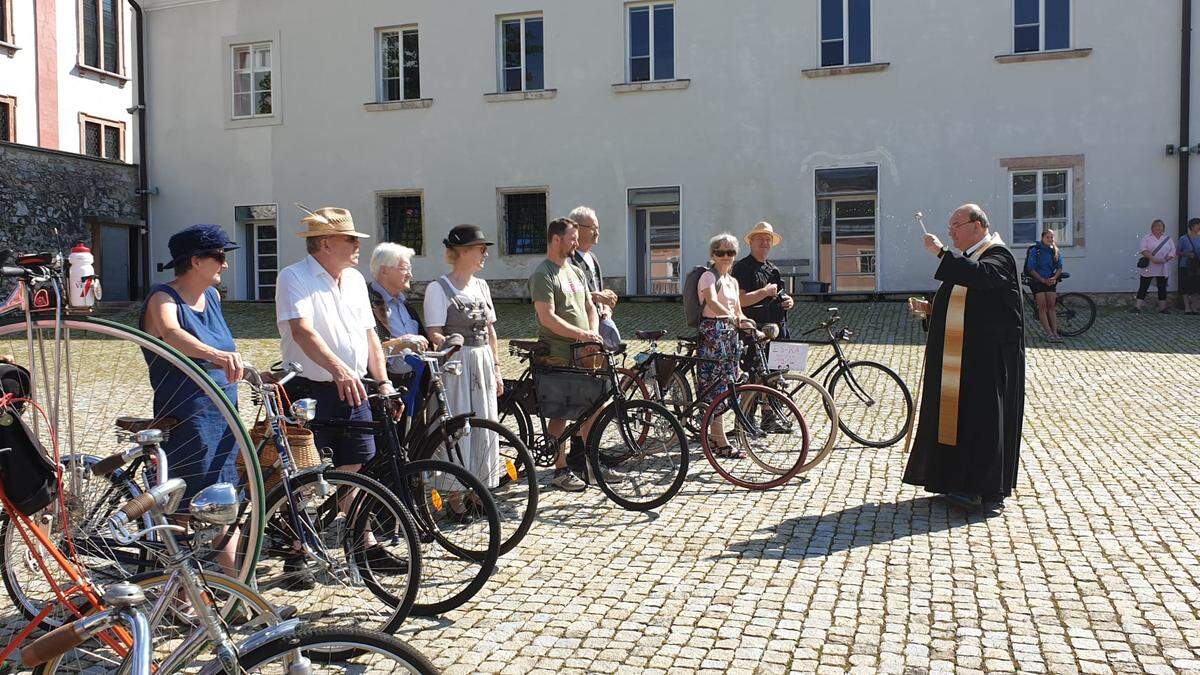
(196, 239)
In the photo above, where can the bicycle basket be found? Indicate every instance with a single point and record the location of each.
(567, 393)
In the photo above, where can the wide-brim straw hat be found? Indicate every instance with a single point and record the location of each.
(764, 227)
(328, 220)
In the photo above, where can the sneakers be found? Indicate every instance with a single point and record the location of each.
(382, 560)
(610, 475)
(565, 480)
(296, 575)
(774, 426)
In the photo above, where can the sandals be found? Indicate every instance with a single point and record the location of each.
(728, 452)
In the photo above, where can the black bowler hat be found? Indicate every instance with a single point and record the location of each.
(466, 235)
(196, 239)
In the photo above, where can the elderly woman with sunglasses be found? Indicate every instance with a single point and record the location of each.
(186, 314)
(721, 317)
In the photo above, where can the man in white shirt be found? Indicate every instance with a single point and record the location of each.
(587, 263)
(326, 325)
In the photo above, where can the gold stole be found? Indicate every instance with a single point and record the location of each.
(952, 347)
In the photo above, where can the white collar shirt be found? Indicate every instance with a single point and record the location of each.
(977, 244)
(339, 312)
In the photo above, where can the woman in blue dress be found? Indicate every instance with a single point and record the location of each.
(186, 314)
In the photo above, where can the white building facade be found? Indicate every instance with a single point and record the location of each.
(835, 120)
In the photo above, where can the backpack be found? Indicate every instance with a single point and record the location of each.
(28, 476)
(693, 309)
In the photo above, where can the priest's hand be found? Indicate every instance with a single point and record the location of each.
(933, 244)
(920, 308)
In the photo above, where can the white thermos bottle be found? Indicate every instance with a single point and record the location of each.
(83, 284)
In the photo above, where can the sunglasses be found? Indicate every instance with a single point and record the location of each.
(724, 254)
(219, 256)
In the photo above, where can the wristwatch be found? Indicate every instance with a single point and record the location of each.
(944, 251)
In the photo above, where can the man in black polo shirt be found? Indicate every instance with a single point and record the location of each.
(761, 283)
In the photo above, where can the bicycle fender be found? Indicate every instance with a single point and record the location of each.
(281, 630)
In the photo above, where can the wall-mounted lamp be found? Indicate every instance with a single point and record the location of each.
(1181, 149)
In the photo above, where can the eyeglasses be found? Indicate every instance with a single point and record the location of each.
(724, 254)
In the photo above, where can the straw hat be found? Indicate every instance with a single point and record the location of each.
(764, 228)
(328, 220)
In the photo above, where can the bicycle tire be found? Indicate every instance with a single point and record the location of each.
(512, 415)
(122, 389)
(453, 572)
(847, 414)
(228, 591)
(602, 453)
(771, 479)
(384, 513)
(1076, 312)
(321, 645)
(827, 404)
(516, 512)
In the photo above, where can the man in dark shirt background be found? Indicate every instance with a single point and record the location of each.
(761, 283)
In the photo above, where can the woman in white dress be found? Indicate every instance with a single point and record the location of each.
(459, 302)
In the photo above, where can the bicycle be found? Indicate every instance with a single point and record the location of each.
(1076, 312)
(771, 448)
(459, 551)
(90, 374)
(436, 434)
(639, 438)
(335, 530)
(191, 611)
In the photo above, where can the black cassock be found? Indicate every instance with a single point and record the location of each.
(991, 399)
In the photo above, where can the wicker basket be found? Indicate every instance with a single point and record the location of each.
(301, 446)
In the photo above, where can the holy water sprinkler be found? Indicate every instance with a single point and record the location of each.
(920, 218)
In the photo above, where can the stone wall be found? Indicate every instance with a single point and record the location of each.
(44, 189)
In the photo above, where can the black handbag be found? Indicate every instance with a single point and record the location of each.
(27, 475)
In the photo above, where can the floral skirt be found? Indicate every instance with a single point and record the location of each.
(719, 341)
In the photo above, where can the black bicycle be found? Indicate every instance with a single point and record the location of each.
(638, 439)
(1076, 312)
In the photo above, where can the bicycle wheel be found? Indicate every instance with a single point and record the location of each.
(874, 405)
(379, 653)
(516, 493)
(770, 455)
(243, 611)
(364, 562)
(1076, 313)
(459, 551)
(103, 375)
(511, 413)
(652, 469)
(819, 410)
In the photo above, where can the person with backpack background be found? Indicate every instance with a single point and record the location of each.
(1043, 264)
(716, 305)
(1189, 267)
(1156, 250)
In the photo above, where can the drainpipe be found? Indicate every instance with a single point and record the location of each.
(1185, 112)
(143, 171)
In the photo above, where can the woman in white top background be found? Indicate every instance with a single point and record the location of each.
(460, 302)
(721, 317)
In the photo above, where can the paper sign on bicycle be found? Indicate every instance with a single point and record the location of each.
(784, 355)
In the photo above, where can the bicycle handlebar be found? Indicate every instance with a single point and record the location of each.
(66, 637)
(9, 272)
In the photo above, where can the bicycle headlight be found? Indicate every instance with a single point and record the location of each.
(216, 504)
(305, 409)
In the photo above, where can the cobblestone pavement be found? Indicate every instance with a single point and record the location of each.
(1091, 568)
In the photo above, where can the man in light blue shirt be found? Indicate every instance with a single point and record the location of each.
(396, 321)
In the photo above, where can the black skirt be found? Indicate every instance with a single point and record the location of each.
(1038, 287)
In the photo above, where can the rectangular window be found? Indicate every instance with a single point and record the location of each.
(845, 32)
(403, 221)
(252, 80)
(399, 65)
(102, 138)
(100, 34)
(522, 54)
(651, 42)
(8, 119)
(1041, 200)
(6, 21)
(1041, 25)
(525, 223)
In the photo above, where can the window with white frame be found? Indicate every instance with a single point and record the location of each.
(100, 34)
(399, 64)
(650, 39)
(402, 220)
(524, 221)
(1041, 200)
(1041, 25)
(845, 32)
(252, 80)
(522, 53)
(102, 138)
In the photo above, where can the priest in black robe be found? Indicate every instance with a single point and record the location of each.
(968, 436)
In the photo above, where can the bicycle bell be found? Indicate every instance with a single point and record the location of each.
(216, 504)
(305, 409)
(124, 594)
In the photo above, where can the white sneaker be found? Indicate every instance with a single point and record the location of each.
(564, 479)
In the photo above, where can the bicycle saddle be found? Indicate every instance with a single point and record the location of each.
(693, 339)
(136, 424)
(536, 347)
(649, 334)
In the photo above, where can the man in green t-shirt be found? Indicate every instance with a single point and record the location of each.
(565, 315)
